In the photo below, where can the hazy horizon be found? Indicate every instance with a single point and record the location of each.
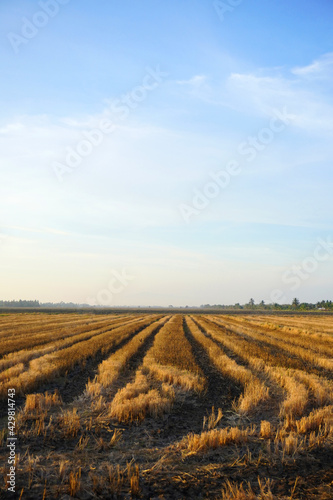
(166, 153)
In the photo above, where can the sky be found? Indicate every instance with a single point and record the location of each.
(157, 153)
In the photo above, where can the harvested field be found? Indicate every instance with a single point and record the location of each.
(168, 406)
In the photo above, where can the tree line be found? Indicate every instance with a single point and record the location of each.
(294, 305)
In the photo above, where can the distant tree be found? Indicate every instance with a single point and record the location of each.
(251, 303)
(306, 306)
(19, 303)
(262, 304)
(295, 303)
(324, 304)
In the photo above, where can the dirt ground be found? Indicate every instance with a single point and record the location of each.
(143, 460)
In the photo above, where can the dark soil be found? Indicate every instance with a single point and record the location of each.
(73, 383)
(165, 473)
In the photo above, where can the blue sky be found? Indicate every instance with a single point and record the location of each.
(187, 88)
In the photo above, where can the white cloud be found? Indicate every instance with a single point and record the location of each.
(11, 127)
(305, 91)
(310, 106)
(43, 230)
(195, 81)
(321, 68)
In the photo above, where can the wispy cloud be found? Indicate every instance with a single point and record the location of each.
(195, 81)
(259, 93)
(311, 107)
(43, 230)
(321, 68)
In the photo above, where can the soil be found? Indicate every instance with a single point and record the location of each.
(165, 472)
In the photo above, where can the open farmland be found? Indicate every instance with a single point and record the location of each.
(169, 406)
